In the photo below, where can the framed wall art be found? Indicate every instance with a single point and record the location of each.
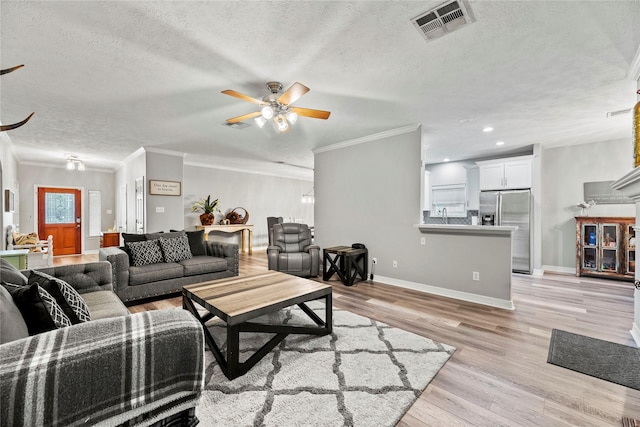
(165, 188)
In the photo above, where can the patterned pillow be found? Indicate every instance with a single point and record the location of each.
(65, 295)
(39, 309)
(145, 253)
(176, 249)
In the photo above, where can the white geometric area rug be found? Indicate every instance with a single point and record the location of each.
(366, 373)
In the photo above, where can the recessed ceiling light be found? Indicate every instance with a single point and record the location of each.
(487, 129)
(500, 143)
(446, 159)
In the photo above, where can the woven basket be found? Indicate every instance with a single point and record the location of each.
(235, 217)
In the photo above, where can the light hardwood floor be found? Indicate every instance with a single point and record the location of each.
(498, 374)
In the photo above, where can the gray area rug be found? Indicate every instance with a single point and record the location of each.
(606, 360)
(365, 374)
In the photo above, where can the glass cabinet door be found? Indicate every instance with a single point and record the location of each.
(589, 246)
(631, 250)
(609, 239)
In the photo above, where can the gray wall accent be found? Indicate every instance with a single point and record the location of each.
(33, 176)
(260, 195)
(164, 167)
(377, 202)
(564, 170)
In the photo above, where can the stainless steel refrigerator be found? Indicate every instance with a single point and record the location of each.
(511, 207)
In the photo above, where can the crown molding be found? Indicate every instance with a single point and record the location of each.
(164, 151)
(240, 170)
(368, 138)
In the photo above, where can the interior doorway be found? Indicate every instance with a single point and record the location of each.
(60, 215)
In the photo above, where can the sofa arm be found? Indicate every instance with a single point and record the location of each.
(104, 371)
(119, 260)
(228, 251)
(314, 251)
(273, 252)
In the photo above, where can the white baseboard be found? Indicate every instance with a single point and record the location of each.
(449, 293)
(635, 334)
(91, 252)
(559, 269)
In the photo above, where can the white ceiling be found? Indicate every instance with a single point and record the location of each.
(105, 78)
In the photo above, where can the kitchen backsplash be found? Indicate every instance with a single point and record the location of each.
(450, 220)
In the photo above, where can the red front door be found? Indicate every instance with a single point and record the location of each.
(59, 215)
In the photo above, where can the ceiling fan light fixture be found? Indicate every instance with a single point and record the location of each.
(260, 121)
(70, 165)
(267, 112)
(292, 117)
(282, 123)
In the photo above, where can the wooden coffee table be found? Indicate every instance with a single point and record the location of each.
(237, 300)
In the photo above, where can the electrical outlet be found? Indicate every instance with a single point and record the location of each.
(395, 264)
(476, 275)
(423, 241)
(374, 260)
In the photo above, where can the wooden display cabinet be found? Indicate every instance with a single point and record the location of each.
(606, 247)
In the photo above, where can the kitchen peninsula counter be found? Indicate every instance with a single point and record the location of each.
(468, 262)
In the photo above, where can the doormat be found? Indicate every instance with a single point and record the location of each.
(606, 360)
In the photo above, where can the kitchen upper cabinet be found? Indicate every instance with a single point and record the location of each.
(505, 174)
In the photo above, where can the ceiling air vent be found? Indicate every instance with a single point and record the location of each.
(443, 19)
(619, 112)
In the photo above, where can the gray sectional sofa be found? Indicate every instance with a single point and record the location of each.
(146, 276)
(112, 369)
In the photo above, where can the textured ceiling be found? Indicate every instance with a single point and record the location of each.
(105, 78)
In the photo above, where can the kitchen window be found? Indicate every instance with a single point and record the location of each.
(453, 198)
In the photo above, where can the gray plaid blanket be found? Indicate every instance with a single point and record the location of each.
(109, 371)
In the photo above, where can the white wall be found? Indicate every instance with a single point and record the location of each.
(31, 176)
(564, 171)
(164, 212)
(260, 195)
(132, 168)
(9, 180)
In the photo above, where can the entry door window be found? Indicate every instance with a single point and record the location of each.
(60, 208)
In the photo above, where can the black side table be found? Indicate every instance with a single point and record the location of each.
(348, 263)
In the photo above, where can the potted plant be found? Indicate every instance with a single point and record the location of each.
(208, 208)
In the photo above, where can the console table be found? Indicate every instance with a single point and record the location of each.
(16, 257)
(246, 233)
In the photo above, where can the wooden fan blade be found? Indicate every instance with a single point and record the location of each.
(15, 125)
(8, 70)
(308, 112)
(243, 96)
(244, 117)
(292, 94)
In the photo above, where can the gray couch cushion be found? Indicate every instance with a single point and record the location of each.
(12, 325)
(104, 304)
(203, 264)
(154, 273)
(10, 274)
(175, 249)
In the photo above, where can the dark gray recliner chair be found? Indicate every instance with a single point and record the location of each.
(271, 221)
(292, 251)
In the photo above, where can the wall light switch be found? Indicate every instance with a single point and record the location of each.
(159, 209)
(423, 241)
(109, 212)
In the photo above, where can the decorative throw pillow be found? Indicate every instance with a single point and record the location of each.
(176, 249)
(10, 274)
(145, 253)
(39, 309)
(196, 242)
(65, 295)
(12, 325)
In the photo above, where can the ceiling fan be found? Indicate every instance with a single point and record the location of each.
(277, 106)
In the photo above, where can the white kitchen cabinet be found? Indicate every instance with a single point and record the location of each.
(505, 174)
